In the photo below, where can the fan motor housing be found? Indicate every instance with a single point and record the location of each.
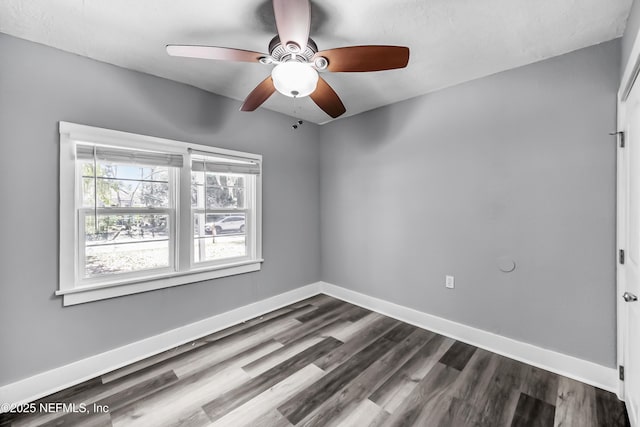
(280, 53)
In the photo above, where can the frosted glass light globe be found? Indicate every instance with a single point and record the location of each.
(294, 79)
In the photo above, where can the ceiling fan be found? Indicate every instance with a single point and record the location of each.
(297, 60)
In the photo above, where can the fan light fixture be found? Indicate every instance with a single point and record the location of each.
(294, 79)
(297, 60)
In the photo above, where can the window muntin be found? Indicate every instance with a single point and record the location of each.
(128, 203)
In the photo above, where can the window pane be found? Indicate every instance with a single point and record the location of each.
(125, 243)
(126, 186)
(111, 170)
(218, 223)
(198, 225)
(88, 191)
(227, 224)
(213, 248)
(225, 197)
(222, 236)
(222, 190)
(118, 193)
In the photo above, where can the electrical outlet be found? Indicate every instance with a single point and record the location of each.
(449, 282)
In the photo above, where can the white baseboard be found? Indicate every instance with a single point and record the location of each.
(57, 379)
(562, 364)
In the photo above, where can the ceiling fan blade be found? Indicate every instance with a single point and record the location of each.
(327, 99)
(293, 20)
(365, 58)
(261, 93)
(213, 52)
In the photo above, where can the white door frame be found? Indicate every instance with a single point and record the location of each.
(629, 77)
(621, 242)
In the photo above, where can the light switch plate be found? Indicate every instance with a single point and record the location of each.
(449, 282)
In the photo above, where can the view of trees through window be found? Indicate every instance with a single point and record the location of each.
(219, 217)
(125, 186)
(126, 210)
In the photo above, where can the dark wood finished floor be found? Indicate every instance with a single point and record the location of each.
(324, 362)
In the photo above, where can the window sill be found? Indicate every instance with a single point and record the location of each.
(99, 292)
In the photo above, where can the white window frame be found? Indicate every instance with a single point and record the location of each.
(182, 270)
(249, 215)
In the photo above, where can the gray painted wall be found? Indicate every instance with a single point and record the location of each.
(517, 164)
(40, 86)
(630, 33)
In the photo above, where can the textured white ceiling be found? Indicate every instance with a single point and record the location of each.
(451, 41)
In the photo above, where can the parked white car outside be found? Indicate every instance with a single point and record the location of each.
(226, 225)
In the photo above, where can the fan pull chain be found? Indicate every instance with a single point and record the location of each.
(298, 122)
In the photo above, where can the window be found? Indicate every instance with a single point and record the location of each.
(139, 213)
(220, 191)
(126, 212)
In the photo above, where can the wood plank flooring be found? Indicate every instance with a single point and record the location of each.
(324, 362)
